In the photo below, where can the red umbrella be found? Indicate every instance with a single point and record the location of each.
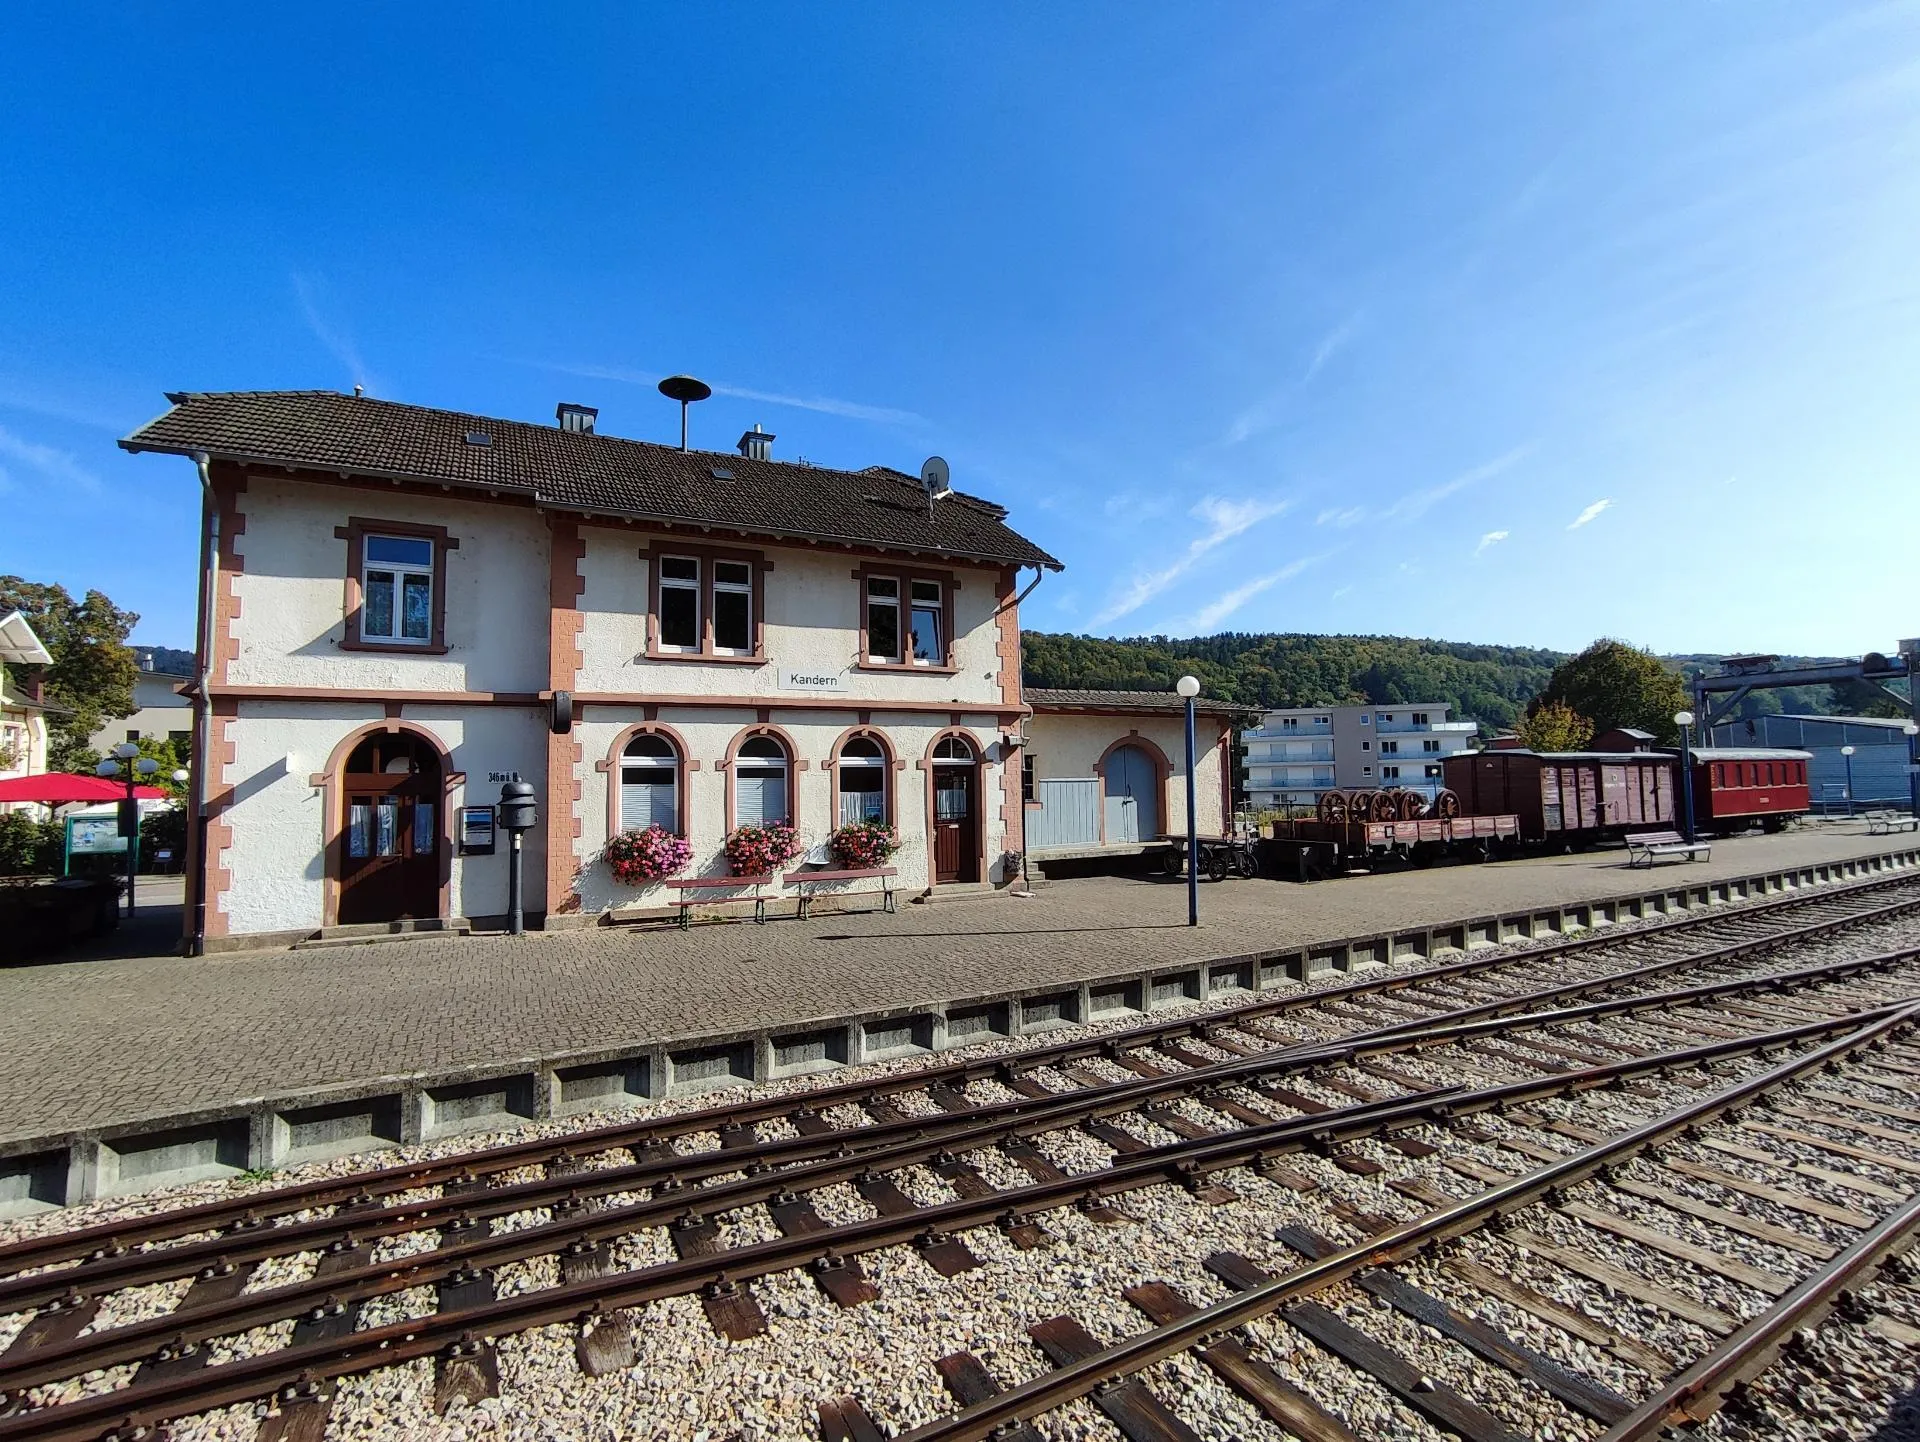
(58, 788)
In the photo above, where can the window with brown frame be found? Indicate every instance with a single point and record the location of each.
(906, 619)
(706, 604)
(396, 593)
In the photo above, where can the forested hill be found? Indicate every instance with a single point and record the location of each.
(1484, 683)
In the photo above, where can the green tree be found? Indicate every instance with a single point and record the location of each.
(1614, 684)
(1554, 726)
(1857, 698)
(92, 674)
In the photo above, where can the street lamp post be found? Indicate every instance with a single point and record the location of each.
(1846, 753)
(1684, 720)
(133, 769)
(1189, 687)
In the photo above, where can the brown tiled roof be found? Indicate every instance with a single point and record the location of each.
(595, 474)
(1042, 698)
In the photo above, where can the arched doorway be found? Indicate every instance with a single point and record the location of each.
(1132, 796)
(391, 832)
(956, 811)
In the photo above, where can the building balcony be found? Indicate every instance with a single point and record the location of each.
(1280, 756)
(1288, 733)
(1432, 728)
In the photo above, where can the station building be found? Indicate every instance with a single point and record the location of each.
(405, 607)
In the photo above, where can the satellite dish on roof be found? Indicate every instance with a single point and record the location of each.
(935, 477)
(686, 390)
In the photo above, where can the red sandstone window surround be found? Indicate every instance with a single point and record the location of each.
(396, 586)
(906, 618)
(706, 603)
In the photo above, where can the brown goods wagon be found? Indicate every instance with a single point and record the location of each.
(1566, 794)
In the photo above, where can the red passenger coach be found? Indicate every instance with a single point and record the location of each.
(1734, 787)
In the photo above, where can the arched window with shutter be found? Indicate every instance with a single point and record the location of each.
(650, 784)
(761, 769)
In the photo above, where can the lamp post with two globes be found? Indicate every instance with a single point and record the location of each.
(1189, 687)
(126, 760)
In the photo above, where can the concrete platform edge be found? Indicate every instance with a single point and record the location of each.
(57, 1169)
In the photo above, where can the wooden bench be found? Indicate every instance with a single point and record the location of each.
(801, 879)
(1652, 845)
(1885, 823)
(691, 890)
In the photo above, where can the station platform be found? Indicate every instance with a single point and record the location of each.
(97, 1047)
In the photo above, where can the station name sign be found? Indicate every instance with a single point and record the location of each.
(813, 680)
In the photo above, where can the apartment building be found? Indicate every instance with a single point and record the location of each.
(1298, 753)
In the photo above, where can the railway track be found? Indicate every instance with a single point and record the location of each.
(1192, 1103)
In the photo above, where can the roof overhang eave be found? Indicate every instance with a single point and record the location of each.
(543, 501)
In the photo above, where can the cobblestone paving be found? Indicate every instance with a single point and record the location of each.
(89, 1043)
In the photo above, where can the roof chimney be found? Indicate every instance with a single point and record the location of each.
(576, 418)
(756, 444)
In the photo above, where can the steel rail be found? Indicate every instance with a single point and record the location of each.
(1695, 1394)
(106, 1238)
(1033, 1399)
(248, 1379)
(884, 1145)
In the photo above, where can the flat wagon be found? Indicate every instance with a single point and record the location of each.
(1736, 787)
(1567, 797)
(1305, 850)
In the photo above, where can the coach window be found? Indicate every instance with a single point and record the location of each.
(650, 784)
(862, 773)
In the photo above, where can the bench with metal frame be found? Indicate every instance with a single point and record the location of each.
(1885, 823)
(1651, 845)
(802, 878)
(696, 884)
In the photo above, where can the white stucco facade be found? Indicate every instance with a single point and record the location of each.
(1069, 745)
(530, 603)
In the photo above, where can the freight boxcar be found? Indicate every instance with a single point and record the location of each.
(1570, 797)
(1735, 787)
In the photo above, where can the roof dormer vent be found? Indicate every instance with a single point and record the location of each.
(576, 418)
(756, 444)
(479, 438)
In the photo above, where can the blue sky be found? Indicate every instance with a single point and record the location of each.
(1496, 322)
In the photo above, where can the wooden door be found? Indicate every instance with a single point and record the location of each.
(391, 831)
(956, 846)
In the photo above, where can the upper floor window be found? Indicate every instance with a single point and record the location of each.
(679, 603)
(1389, 747)
(397, 590)
(396, 585)
(1386, 715)
(1390, 773)
(908, 620)
(928, 614)
(1366, 746)
(1289, 723)
(706, 603)
(1429, 745)
(733, 607)
(1365, 717)
(1419, 718)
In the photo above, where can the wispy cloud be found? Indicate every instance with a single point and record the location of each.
(1330, 344)
(51, 464)
(1263, 414)
(337, 341)
(1225, 519)
(825, 405)
(1492, 538)
(1587, 515)
(1216, 611)
(15, 398)
(1416, 504)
